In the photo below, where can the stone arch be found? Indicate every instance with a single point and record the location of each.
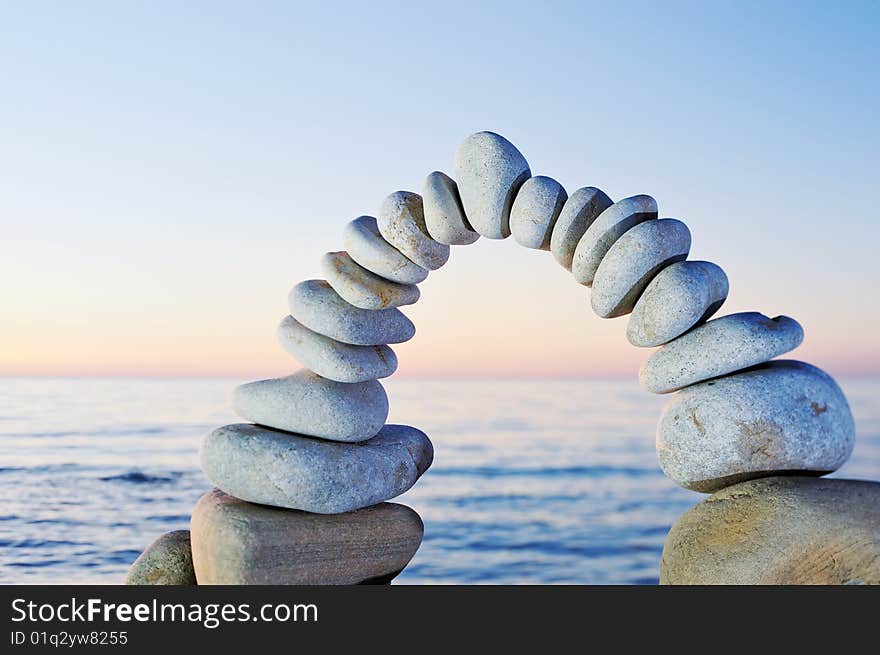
(316, 441)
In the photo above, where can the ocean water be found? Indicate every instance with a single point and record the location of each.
(536, 481)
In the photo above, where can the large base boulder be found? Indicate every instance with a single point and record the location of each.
(236, 542)
(778, 530)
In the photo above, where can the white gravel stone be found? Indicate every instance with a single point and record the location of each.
(610, 225)
(489, 171)
(402, 223)
(444, 215)
(632, 262)
(333, 359)
(721, 346)
(535, 210)
(781, 417)
(578, 213)
(678, 298)
(308, 404)
(297, 472)
(366, 246)
(316, 305)
(361, 288)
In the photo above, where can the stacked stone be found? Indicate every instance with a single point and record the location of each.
(317, 460)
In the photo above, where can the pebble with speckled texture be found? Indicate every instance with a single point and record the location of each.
(535, 210)
(608, 227)
(633, 261)
(333, 359)
(166, 561)
(361, 288)
(678, 298)
(444, 215)
(306, 403)
(721, 346)
(489, 171)
(368, 248)
(401, 222)
(578, 213)
(297, 472)
(780, 417)
(316, 305)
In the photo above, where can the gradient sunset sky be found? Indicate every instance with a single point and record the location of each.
(169, 170)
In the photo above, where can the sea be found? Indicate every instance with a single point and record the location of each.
(533, 481)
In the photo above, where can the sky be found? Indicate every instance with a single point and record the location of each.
(168, 171)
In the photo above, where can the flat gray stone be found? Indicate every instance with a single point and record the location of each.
(779, 531)
(721, 346)
(324, 477)
(444, 215)
(166, 561)
(678, 298)
(489, 171)
(608, 227)
(632, 262)
(239, 543)
(578, 213)
(368, 248)
(402, 222)
(361, 288)
(316, 305)
(780, 417)
(333, 359)
(306, 403)
(535, 210)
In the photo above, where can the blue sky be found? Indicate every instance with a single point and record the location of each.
(169, 170)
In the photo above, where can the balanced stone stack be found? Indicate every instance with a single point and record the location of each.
(301, 486)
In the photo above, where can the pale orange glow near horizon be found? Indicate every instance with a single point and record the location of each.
(495, 311)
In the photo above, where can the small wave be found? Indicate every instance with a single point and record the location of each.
(55, 522)
(38, 564)
(31, 544)
(104, 432)
(169, 518)
(139, 477)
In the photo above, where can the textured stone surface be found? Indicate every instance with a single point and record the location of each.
(308, 404)
(326, 477)
(578, 213)
(444, 215)
(680, 296)
(608, 227)
(781, 416)
(783, 530)
(240, 543)
(632, 262)
(166, 561)
(368, 248)
(535, 210)
(723, 345)
(316, 305)
(402, 222)
(361, 288)
(489, 171)
(333, 359)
